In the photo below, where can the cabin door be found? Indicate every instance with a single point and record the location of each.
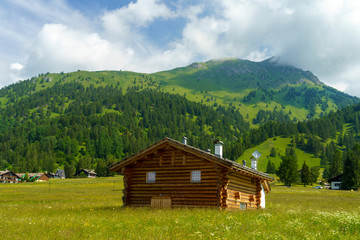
(161, 202)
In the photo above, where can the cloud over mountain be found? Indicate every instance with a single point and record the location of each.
(151, 35)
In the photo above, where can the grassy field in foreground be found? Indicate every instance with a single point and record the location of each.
(91, 209)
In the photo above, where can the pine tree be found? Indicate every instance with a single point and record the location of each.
(287, 172)
(314, 173)
(101, 168)
(273, 152)
(290, 151)
(69, 170)
(351, 176)
(305, 175)
(270, 168)
(326, 173)
(335, 167)
(293, 142)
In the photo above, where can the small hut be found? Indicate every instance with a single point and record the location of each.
(173, 174)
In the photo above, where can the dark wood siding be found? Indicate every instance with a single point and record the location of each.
(173, 179)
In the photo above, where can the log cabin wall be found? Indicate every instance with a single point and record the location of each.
(242, 191)
(173, 179)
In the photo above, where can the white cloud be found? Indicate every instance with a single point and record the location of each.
(123, 22)
(322, 36)
(59, 48)
(16, 66)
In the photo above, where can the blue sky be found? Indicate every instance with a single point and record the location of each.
(38, 36)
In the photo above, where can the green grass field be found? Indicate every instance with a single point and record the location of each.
(91, 209)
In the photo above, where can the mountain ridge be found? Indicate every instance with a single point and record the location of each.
(251, 87)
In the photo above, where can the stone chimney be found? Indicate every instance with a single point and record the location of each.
(184, 140)
(219, 148)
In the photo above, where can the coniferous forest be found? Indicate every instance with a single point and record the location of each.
(73, 126)
(81, 127)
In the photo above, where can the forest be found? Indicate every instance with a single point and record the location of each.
(85, 127)
(71, 126)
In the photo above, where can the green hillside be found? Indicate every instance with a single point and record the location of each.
(261, 91)
(253, 86)
(280, 144)
(91, 119)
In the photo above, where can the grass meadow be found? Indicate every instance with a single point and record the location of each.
(92, 209)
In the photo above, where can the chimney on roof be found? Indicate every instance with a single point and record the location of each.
(184, 140)
(219, 148)
(254, 163)
(244, 163)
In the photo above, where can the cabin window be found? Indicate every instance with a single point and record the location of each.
(150, 177)
(195, 176)
(243, 206)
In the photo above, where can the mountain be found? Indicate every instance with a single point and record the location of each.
(234, 75)
(89, 119)
(261, 91)
(278, 91)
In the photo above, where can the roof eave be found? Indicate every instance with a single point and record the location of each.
(221, 161)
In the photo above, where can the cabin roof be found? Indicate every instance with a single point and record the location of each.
(37, 175)
(209, 156)
(87, 171)
(5, 172)
(336, 178)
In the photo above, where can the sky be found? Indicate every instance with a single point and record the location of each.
(39, 36)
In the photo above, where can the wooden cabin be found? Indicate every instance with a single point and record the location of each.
(9, 177)
(173, 174)
(86, 172)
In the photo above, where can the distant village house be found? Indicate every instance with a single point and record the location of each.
(60, 174)
(335, 182)
(86, 173)
(50, 175)
(9, 177)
